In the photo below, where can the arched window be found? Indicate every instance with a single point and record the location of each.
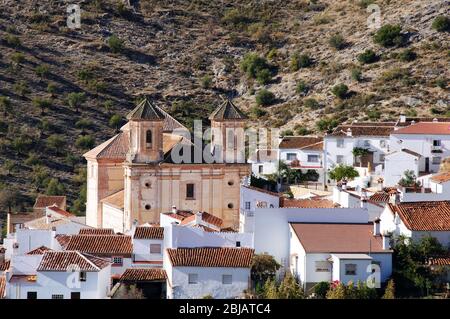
(149, 139)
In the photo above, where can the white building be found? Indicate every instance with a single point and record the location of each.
(436, 188)
(397, 163)
(220, 272)
(148, 246)
(264, 162)
(418, 219)
(373, 137)
(58, 275)
(338, 251)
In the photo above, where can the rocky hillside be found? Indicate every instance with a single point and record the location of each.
(304, 66)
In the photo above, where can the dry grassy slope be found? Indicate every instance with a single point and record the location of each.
(171, 45)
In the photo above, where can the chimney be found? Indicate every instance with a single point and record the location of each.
(349, 132)
(402, 118)
(174, 209)
(344, 184)
(386, 242)
(376, 227)
(198, 218)
(435, 120)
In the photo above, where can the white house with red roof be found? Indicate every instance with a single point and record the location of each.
(219, 272)
(148, 246)
(344, 252)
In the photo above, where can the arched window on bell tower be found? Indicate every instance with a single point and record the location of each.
(149, 139)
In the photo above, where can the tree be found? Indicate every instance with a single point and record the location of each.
(389, 292)
(116, 45)
(54, 188)
(75, 100)
(326, 124)
(85, 142)
(441, 24)
(299, 61)
(129, 292)
(5, 103)
(340, 90)
(42, 70)
(290, 288)
(252, 64)
(39, 176)
(108, 104)
(9, 166)
(270, 289)
(264, 266)
(41, 104)
(9, 199)
(56, 143)
(389, 35)
(265, 98)
(368, 57)
(321, 289)
(342, 172)
(115, 121)
(409, 180)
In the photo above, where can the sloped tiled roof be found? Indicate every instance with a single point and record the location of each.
(441, 178)
(47, 222)
(114, 148)
(211, 257)
(306, 203)
(144, 232)
(426, 128)
(63, 240)
(5, 265)
(60, 211)
(363, 130)
(380, 197)
(424, 216)
(144, 274)
(101, 244)
(146, 111)
(206, 217)
(39, 251)
(96, 231)
(440, 261)
(227, 111)
(67, 260)
(337, 238)
(301, 142)
(43, 201)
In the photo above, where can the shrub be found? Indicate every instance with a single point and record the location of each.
(42, 104)
(326, 124)
(265, 98)
(264, 76)
(407, 55)
(389, 35)
(287, 133)
(21, 88)
(206, 82)
(252, 64)
(321, 289)
(301, 130)
(56, 143)
(311, 104)
(365, 3)
(300, 61)
(373, 114)
(108, 104)
(42, 70)
(18, 58)
(441, 24)
(115, 44)
(85, 75)
(257, 112)
(337, 41)
(75, 100)
(85, 142)
(54, 188)
(356, 74)
(33, 159)
(368, 57)
(115, 121)
(302, 87)
(389, 292)
(5, 104)
(12, 40)
(342, 171)
(340, 91)
(51, 88)
(442, 83)
(235, 19)
(84, 124)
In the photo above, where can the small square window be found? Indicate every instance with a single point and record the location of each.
(190, 191)
(247, 205)
(155, 248)
(322, 266)
(291, 156)
(238, 244)
(75, 295)
(340, 143)
(340, 159)
(57, 296)
(436, 160)
(83, 276)
(381, 158)
(436, 142)
(382, 143)
(117, 261)
(193, 279)
(313, 158)
(260, 169)
(350, 269)
(31, 295)
(227, 279)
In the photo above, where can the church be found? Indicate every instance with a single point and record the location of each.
(132, 177)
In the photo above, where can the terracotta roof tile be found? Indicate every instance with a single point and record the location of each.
(114, 148)
(144, 232)
(2, 287)
(211, 257)
(227, 111)
(67, 260)
(39, 251)
(5, 265)
(364, 130)
(145, 111)
(96, 231)
(206, 217)
(105, 245)
(441, 178)
(424, 216)
(427, 128)
(306, 203)
(143, 274)
(337, 238)
(43, 201)
(380, 197)
(60, 211)
(301, 142)
(440, 261)
(63, 240)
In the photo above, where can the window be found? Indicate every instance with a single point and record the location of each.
(149, 139)
(193, 279)
(231, 139)
(381, 158)
(75, 295)
(366, 143)
(155, 248)
(31, 295)
(190, 191)
(313, 158)
(340, 159)
(57, 296)
(83, 276)
(238, 244)
(291, 156)
(247, 205)
(322, 266)
(117, 261)
(436, 160)
(436, 142)
(147, 207)
(227, 279)
(350, 269)
(260, 169)
(382, 143)
(230, 205)
(340, 143)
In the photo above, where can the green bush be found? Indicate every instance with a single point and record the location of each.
(389, 35)
(42, 70)
(256, 67)
(442, 83)
(264, 76)
(5, 104)
(265, 98)
(257, 112)
(356, 74)
(441, 24)
(302, 87)
(235, 19)
(340, 91)
(116, 45)
(84, 124)
(299, 61)
(18, 58)
(326, 124)
(33, 159)
(54, 188)
(12, 40)
(115, 121)
(368, 57)
(365, 3)
(51, 88)
(311, 104)
(75, 100)
(85, 142)
(41, 104)
(337, 41)
(301, 130)
(407, 55)
(321, 289)
(206, 82)
(85, 74)
(56, 143)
